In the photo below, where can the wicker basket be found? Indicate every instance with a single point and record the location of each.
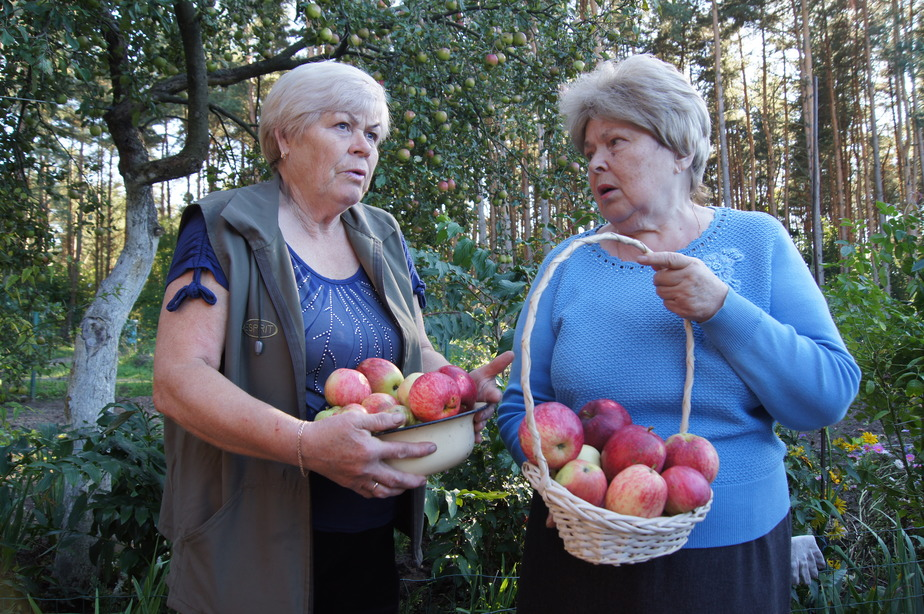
(595, 534)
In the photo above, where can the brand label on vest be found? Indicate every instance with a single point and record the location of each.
(259, 329)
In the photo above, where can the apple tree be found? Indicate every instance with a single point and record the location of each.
(175, 85)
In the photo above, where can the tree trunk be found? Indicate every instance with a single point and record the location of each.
(767, 125)
(720, 107)
(752, 158)
(810, 119)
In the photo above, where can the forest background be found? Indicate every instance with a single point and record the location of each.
(118, 113)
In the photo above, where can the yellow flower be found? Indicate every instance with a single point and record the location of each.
(869, 438)
(834, 563)
(818, 521)
(840, 505)
(796, 451)
(835, 478)
(837, 530)
(840, 442)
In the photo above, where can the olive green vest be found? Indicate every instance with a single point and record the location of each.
(240, 527)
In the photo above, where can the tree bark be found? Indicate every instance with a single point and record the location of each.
(720, 107)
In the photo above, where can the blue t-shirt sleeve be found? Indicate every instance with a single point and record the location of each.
(194, 252)
(417, 283)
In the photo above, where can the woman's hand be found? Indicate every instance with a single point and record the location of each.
(686, 285)
(488, 391)
(343, 449)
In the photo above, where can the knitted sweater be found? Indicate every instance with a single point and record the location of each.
(771, 354)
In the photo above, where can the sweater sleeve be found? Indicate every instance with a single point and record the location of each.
(793, 358)
(511, 411)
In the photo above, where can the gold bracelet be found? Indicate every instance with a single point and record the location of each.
(298, 448)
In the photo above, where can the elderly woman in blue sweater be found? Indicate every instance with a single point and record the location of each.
(609, 325)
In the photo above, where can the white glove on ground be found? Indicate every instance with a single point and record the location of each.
(807, 559)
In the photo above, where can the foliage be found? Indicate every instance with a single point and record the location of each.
(120, 463)
(885, 334)
(470, 296)
(874, 562)
(860, 492)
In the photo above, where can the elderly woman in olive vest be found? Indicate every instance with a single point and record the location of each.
(273, 287)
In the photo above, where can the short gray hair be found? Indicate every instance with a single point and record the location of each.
(651, 94)
(302, 95)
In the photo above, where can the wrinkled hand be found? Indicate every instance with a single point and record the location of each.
(343, 449)
(488, 391)
(807, 559)
(686, 285)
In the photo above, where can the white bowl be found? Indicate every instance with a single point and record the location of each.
(454, 438)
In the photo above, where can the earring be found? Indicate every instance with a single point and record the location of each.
(284, 155)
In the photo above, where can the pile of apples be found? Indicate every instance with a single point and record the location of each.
(599, 455)
(378, 385)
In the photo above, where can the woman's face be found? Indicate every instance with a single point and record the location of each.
(632, 176)
(332, 161)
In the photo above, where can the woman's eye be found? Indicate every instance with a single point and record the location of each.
(373, 137)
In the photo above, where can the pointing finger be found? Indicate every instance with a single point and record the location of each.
(664, 260)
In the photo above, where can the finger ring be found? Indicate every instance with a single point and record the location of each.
(374, 486)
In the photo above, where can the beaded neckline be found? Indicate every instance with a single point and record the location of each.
(694, 248)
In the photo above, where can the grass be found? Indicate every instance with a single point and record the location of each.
(133, 378)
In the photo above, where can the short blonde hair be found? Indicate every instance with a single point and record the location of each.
(651, 94)
(302, 95)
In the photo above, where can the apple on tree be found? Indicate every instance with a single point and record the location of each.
(601, 418)
(560, 433)
(432, 396)
(344, 386)
(383, 375)
(638, 490)
(584, 480)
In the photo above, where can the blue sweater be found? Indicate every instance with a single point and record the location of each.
(771, 354)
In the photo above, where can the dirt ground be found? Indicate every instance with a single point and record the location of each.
(52, 411)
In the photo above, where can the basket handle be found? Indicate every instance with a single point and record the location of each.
(529, 324)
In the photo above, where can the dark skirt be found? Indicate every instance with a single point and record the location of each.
(355, 573)
(749, 577)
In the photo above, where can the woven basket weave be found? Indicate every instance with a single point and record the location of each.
(595, 534)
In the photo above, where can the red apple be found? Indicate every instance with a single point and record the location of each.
(632, 445)
(584, 480)
(638, 490)
(351, 407)
(378, 402)
(401, 410)
(468, 392)
(687, 489)
(405, 387)
(560, 433)
(383, 375)
(693, 451)
(432, 396)
(345, 386)
(601, 418)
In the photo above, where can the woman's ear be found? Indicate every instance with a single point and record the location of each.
(282, 143)
(682, 164)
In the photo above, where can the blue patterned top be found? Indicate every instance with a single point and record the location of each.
(345, 322)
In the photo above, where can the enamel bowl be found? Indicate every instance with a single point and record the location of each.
(454, 438)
